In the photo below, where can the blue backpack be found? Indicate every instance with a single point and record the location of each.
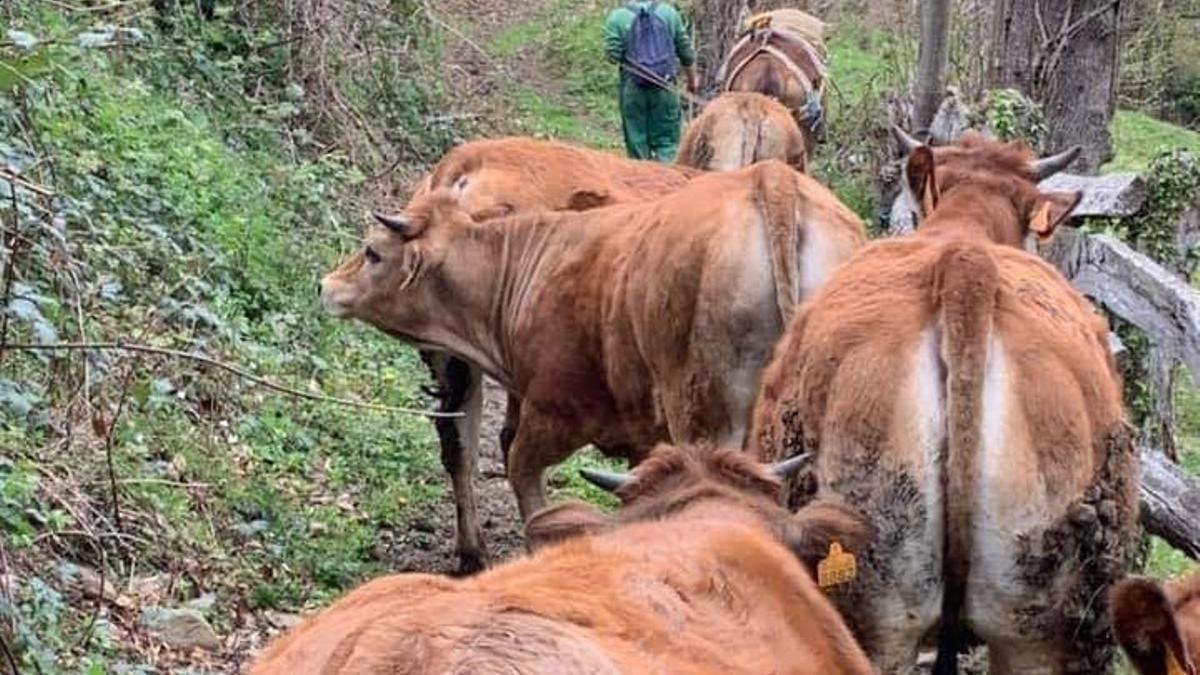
(650, 46)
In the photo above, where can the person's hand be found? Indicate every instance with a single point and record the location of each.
(693, 82)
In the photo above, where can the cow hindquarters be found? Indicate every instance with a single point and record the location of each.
(460, 388)
(1047, 549)
(895, 480)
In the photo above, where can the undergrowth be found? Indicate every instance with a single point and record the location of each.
(185, 183)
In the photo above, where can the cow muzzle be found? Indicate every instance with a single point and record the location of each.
(333, 305)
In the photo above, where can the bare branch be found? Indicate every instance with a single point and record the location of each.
(32, 187)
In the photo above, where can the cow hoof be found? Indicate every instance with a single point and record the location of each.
(471, 562)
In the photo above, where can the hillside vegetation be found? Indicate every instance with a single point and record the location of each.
(179, 198)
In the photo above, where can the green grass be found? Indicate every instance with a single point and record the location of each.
(858, 59)
(861, 72)
(569, 92)
(566, 483)
(543, 118)
(575, 55)
(1139, 138)
(509, 42)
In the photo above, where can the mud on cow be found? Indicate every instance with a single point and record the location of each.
(738, 129)
(959, 392)
(622, 326)
(501, 177)
(700, 571)
(1158, 624)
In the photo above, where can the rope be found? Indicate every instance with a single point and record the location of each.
(657, 81)
(161, 351)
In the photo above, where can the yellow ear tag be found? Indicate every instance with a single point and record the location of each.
(1173, 667)
(1041, 220)
(837, 568)
(760, 22)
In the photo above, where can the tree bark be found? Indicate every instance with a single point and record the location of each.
(931, 61)
(1170, 502)
(1064, 55)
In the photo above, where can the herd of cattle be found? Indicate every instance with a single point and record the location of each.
(846, 453)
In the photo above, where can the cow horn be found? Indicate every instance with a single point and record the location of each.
(906, 141)
(1048, 166)
(398, 223)
(605, 480)
(785, 468)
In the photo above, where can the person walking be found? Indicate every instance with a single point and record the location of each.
(647, 40)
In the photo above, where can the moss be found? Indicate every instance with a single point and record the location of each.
(1012, 116)
(1172, 181)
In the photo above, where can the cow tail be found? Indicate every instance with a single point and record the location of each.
(778, 198)
(695, 149)
(965, 283)
(751, 133)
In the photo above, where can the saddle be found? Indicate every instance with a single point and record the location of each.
(800, 57)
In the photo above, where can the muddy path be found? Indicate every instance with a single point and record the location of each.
(427, 545)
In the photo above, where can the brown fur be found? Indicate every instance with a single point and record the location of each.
(620, 327)
(695, 574)
(738, 129)
(507, 176)
(1152, 620)
(884, 373)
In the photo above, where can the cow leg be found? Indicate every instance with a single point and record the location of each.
(897, 644)
(460, 390)
(538, 444)
(512, 418)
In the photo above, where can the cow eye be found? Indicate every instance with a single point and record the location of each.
(371, 256)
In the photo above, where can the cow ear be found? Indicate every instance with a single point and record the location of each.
(1050, 209)
(1145, 627)
(585, 200)
(816, 527)
(562, 521)
(922, 179)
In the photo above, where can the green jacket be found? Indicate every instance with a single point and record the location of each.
(620, 20)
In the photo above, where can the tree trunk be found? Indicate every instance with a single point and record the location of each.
(1062, 54)
(931, 60)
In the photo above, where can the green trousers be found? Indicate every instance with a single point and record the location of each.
(650, 119)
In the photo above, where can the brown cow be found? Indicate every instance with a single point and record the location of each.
(782, 55)
(504, 176)
(1158, 625)
(699, 572)
(622, 326)
(740, 128)
(959, 392)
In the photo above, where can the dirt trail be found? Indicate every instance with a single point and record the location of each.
(428, 543)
